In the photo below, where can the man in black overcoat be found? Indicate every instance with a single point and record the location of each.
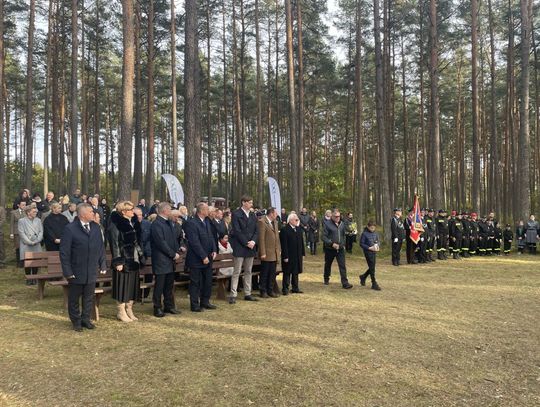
(165, 247)
(292, 254)
(82, 254)
(201, 252)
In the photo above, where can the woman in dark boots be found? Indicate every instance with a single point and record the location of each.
(127, 258)
(369, 242)
(313, 232)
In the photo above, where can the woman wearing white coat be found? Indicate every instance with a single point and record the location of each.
(30, 235)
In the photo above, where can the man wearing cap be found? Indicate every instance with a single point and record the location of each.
(482, 237)
(410, 245)
(442, 235)
(490, 222)
(465, 243)
(431, 234)
(398, 234)
(456, 234)
(473, 234)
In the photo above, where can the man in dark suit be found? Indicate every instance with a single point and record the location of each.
(200, 254)
(398, 235)
(164, 245)
(244, 236)
(82, 254)
(218, 225)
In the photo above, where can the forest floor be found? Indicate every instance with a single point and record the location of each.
(454, 333)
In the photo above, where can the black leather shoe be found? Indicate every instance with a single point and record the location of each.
(297, 292)
(363, 280)
(158, 312)
(285, 292)
(347, 286)
(88, 325)
(232, 300)
(196, 310)
(375, 287)
(264, 295)
(272, 295)
(250, 298)
(173, 311)
(208, 306)
(326, 282)
(77, 328)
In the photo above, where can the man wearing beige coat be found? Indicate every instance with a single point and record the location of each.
(269, 252)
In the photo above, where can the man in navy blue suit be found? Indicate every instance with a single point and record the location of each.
(82, 254)
(165, 249)
(200, 254)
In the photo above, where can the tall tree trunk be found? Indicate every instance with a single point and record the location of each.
(46, 118)
(210, 142)
(85, 139)
(359, 196)
(150, 136)
(260, 141)
(28, 133)
(192, 156)
(174, 130)
(292, 108)
(2, 101)
(524, 199)
(138, 161)
(125, 142)
(96, 169)
(435, 137)
(475, 120)
(74, 175)
(300, 142)
(381, 125)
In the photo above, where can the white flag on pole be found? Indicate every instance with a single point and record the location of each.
(175, 188)
(275, 195)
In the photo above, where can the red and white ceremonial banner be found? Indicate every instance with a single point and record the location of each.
(415, 222)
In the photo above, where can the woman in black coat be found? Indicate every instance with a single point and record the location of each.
(313, 232)
(292, 254)
(53, 226)
(127, 258)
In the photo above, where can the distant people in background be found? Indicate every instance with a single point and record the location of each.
(334, 248)
(351, 232)
(82, 254)
(17, 214)
(47, 202)
(327, 217)
(304, 222)
(95, 206)
(269, 251)
(398, 235)
(532, 235)
(127, 258)
(97, 219)
(53, 227)
(31, 236)
(508, 237)
(283, 217)
(202, 250)
(142, 206)
(220, 228)
(224, 247)
(244, 236)
(37, 201)
(153, 208)
(521, 236)
(313, 233)
(71, 212)
(369, 241)
(292, 254)
(145, 232)
(24, 196)
(178, 227)
(164, 248)
(2, 247)
(106, 211)
(76, 197)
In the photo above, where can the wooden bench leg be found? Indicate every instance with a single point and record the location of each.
(41, 289)
(95, 309)
(220, 292)
(65, 288)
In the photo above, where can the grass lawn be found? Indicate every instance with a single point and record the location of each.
(454, 333)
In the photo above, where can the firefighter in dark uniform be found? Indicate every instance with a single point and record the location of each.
(508, 237)
(442, 235)
(410, 245)
(482, 237)
(490, 236)
(473, 235)
(456, 234)
(398, 235)
(497, 239)
(431, 234)
(421, 252)
(466, 241)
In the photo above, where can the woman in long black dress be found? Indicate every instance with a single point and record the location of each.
(127, 257)
(53, 226)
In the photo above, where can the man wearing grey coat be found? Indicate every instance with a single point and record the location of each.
(30, 235)
(16, 214)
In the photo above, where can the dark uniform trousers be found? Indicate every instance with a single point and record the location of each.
(396, 251)
(75, 292)
(163, 286)
(370, 258)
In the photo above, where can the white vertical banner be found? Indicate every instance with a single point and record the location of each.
(175, 188)
(275, 195)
